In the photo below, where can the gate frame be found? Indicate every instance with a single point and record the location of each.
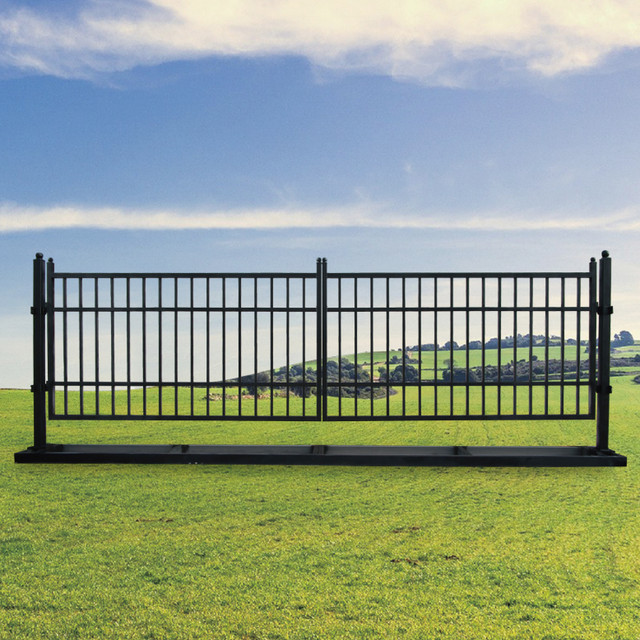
(319, 454)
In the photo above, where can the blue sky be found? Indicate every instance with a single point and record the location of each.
(424, 135)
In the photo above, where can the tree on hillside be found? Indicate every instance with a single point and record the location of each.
(622, 339)
(410, 374)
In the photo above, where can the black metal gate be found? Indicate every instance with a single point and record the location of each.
(322, 346)
(182, 346)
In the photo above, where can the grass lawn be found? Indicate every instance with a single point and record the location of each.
(201, 552)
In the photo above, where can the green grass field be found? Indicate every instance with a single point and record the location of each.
(201, 552)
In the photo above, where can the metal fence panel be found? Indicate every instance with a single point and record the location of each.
(183, 346)
(439, 346)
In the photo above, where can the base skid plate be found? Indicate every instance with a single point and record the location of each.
(457, 456)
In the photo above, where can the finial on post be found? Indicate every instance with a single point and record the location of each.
(605, 254)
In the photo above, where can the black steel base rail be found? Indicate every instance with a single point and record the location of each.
(147, 346)
(458, 456)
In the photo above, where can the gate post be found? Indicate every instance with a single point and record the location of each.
(321, 333)
(50, 337)
(39, 348)
(604, 353)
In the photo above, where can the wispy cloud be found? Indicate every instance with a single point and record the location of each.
(433, 41)
(15, 219)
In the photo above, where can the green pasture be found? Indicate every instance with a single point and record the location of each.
(628, 351)
(440, 359)
(294, 552)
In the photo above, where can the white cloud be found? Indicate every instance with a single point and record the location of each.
(433, 41)
(15, 218)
